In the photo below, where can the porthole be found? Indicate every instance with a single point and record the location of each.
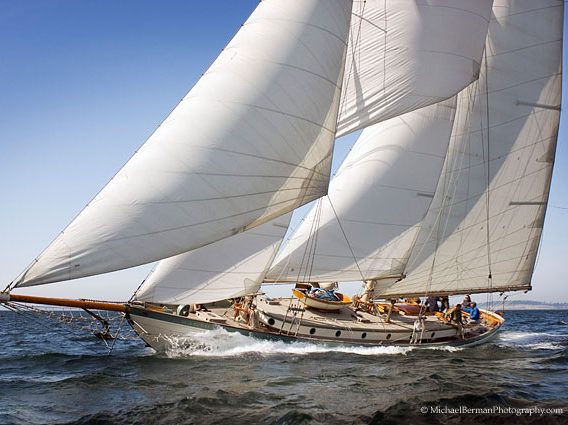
(338, 333)
(271, 321)
(433, 333)
(364, 335)
(388, 336)
(312, 331)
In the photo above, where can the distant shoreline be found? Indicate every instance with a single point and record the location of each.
(530, 305)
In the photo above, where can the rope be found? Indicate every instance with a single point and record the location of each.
(346, 240)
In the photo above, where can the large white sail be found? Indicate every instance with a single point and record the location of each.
(251, 141)
(483, 230)
(407, 54)
(366, 225)
(228, 268)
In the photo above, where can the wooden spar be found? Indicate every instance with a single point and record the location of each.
(64, 302)
(455, 292)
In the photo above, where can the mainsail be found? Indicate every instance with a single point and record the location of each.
(228, 268)
(365, 227)
(251, 141)
(484, 227)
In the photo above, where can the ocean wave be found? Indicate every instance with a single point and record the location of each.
(517, 335)
(545, 346)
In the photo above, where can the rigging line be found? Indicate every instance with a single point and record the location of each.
(488, 200)
(466, 154)
(354, 50)
(306, 254)
(385, 51)
(116, 335)
(310, 268)
(29, 313)
(285, 242)
(346, 239)
(316, 234)
(142, 283)
(312, 249)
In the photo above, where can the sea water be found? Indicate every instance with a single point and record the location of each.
(50, 376)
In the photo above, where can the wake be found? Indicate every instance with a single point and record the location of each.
(220, 343)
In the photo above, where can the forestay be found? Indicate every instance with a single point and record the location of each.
(251, 141)
(483, 230)
(366, 226)
(229, 268)
(407, 54)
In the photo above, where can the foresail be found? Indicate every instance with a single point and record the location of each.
(366, 225)
(483, 230)
(228, 268)
(250, 142)
(408, 54)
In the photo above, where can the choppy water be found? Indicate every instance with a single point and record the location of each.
(48, 377)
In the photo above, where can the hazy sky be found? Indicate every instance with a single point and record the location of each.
(84, 83)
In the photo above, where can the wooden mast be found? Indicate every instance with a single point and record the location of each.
(64, 302)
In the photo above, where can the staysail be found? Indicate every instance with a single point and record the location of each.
(229, 268)
(251, 141)
(366, 225)
(407, 54)
(484, 227)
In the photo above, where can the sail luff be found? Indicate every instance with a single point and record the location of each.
(251, 141)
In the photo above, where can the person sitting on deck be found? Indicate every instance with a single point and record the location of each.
(473, 312)
(466, 301)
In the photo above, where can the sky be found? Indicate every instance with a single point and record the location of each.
(83, 84)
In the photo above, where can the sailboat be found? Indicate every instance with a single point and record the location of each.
(443, 193)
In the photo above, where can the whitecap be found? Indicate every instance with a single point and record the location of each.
(220, 343)
(544, 346)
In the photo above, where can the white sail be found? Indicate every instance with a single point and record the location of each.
(483, 230)
(228, 268)
(407, 54)
(366, 226)
(251, 141)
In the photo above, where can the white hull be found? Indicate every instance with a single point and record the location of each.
(161, 329)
